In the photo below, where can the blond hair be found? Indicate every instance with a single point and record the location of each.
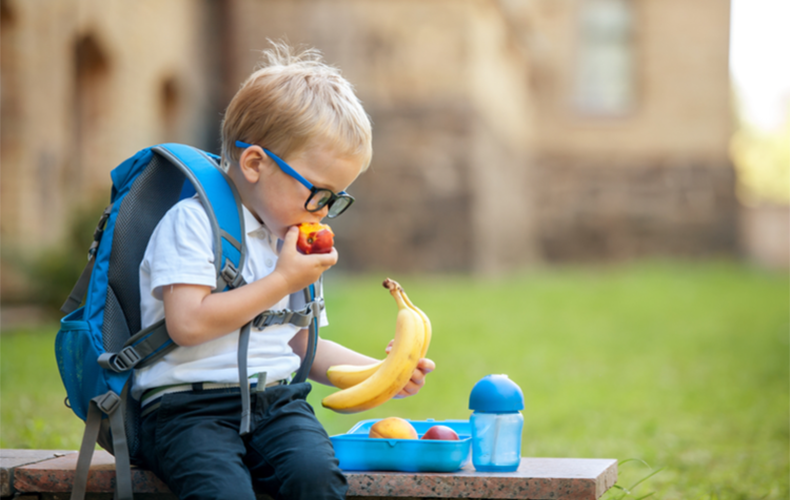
(290, 103)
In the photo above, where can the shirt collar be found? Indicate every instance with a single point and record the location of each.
(251, 224)
(256, 229)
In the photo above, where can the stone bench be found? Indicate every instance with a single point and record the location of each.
(48, 475)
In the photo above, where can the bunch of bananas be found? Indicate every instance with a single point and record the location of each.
(365, 387)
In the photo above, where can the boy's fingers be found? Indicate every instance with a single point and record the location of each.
(413, 386)
(290, 237)
(327, 259)
(417, 380)
(426, 365)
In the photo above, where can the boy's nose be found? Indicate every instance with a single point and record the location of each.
(321, 214)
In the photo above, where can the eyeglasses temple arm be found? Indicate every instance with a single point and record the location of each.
(283, 166)
(288, 170)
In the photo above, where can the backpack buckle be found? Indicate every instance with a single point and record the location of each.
(316, 307)
(108, 402)
(99, 231)
(92, 250)
(231, 275)
(126, 359)
(266, 318)
(300, 318)
(121, 361)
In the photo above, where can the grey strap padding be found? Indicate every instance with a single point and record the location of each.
(312, 339)
(230, 239)
(143, 348)
(109, 404)
(244, 384)
(80, 289)
(89, 438)
(309, 355)
(120, 449)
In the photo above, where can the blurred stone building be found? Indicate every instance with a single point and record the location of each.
(84, 85)
(505, 132)
(633, 122)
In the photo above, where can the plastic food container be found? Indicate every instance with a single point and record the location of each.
(356, 451)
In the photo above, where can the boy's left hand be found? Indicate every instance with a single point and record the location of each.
(424, 367)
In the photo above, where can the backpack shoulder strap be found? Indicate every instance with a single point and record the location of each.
(222, 204)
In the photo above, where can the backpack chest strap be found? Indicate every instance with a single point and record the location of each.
(300, 318)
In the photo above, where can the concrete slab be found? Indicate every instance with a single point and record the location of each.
(10, 459)
(57, 476)
(536, 478)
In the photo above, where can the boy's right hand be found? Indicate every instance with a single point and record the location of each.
(299, 270)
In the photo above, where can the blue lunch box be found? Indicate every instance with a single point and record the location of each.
(356, 451)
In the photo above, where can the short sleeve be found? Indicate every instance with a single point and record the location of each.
(180, 249)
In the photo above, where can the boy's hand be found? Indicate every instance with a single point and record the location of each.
(413, 386)
(424, 367)
(299, 270)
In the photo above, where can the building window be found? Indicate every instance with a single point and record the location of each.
(169, 106)
(604, 76)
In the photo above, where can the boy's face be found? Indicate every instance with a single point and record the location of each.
(278, 200)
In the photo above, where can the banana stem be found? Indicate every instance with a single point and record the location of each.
(392, 285)
(396, 291)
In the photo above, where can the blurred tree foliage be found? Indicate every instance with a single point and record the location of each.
(762, 160)
(51, 274)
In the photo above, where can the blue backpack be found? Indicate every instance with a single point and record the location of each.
(101, 342)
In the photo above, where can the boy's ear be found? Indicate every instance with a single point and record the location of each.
(252, 163)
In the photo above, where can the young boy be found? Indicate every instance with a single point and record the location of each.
(304, 112)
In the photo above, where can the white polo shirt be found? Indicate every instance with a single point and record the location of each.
(180, 251)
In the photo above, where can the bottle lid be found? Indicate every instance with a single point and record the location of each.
(496, 393)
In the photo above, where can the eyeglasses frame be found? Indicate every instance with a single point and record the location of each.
(313, 190)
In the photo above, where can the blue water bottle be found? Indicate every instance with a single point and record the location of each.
(496, 424)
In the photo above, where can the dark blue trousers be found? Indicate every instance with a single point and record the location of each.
(192, 443)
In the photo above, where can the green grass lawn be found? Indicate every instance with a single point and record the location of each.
(682, 367)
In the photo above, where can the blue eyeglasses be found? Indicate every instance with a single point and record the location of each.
(319, 197)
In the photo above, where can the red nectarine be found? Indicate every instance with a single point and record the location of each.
(315, 238)
(440, 432)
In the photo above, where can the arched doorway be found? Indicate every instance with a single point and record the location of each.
(91, 112)
(10, 131)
